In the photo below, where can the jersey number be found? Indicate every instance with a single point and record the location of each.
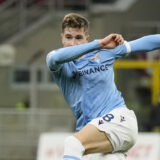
(108, 117)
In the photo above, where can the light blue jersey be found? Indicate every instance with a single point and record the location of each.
(85, 76)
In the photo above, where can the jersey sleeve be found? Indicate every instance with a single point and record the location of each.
(51, 63)
(121, 50)
(143, 44)
(146, 43)
(56, 58)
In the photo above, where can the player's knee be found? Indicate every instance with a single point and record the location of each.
(73, 146)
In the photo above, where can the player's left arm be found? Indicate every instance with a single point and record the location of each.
(146, 43)
(143, 44)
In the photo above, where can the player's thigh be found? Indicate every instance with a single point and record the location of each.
(120, 126)
(94, 140)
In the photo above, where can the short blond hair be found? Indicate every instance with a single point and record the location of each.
(75, 20)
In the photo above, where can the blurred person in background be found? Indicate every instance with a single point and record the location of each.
(83, 71)
(23, 104)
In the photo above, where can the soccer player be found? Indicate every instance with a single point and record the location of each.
(83, 71)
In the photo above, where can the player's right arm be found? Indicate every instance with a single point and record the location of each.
(56, 58)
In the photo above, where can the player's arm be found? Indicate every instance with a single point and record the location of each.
(57, 57)
(143, 44)
(111, 41)
(146, 43)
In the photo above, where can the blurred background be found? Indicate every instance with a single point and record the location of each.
(30, 102)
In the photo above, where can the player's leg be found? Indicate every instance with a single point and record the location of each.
(94, 140)
(112, 132)
(86, 141)
(114, 156)
(73, 149)
(110, 156)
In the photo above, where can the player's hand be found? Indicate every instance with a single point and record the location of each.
(111, 41)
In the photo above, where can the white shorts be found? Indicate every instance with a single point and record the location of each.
(120, 126)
